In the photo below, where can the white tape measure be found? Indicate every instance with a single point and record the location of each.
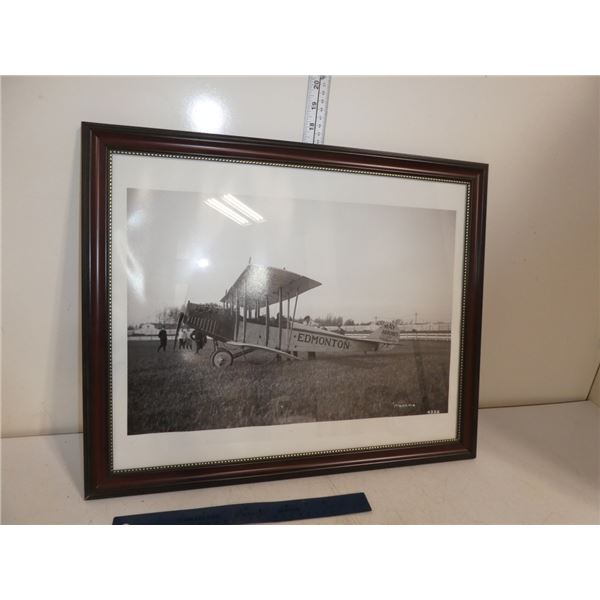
(315, 115)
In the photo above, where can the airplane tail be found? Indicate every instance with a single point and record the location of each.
(387, 333)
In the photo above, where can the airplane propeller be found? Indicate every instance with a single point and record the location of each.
(181, 315)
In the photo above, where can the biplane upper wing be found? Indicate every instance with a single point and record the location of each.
(261, 285)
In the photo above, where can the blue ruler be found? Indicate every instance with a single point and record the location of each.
(256, 512)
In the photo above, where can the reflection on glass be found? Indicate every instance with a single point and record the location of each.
(133, 268)
(136, 218)
(243, 208)
(227, 212)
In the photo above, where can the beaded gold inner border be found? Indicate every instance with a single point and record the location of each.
(336, 452)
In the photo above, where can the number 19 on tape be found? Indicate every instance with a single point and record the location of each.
(315, 115)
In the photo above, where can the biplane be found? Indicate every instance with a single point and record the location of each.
(256, 314)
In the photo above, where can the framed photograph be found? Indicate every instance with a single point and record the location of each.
(256, 309)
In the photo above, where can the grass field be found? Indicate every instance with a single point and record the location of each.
(181, 391)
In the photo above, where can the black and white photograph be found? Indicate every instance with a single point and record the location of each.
(247, 311)
(269, 308)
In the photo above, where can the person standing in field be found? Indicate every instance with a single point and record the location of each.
(183, 340)
(162, 336)
(199, 338)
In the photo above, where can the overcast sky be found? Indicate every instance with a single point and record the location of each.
(372, 260)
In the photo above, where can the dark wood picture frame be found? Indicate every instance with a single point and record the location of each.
(98, 141)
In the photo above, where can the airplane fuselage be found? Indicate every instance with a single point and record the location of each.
(286, 336)
(245, 320)
(302, 338)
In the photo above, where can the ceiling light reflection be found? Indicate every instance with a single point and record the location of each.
(243, 208)
(202, 263)
(206, 114)
(136, 218)
(227, 212)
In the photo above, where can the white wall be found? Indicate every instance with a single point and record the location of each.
(1, 277)
(539, 135)
(595, 389)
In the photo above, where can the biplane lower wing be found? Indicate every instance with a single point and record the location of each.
(259, 347)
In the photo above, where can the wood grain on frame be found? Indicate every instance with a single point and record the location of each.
(97, 142)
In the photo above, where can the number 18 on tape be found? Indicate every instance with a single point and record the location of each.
(315, 115)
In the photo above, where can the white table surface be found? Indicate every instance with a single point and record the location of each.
(535, 465)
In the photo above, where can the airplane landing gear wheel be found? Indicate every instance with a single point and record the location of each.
(221, 358)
